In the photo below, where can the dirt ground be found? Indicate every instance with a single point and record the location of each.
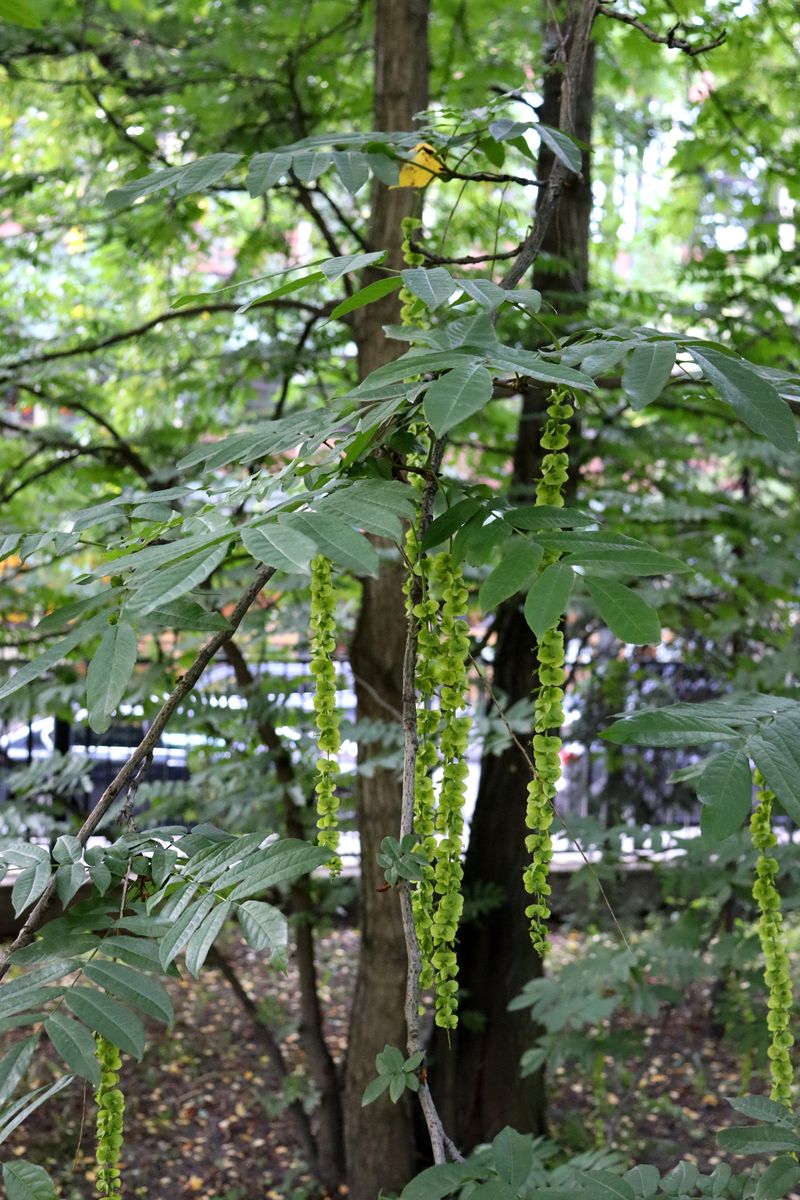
(203, 1119)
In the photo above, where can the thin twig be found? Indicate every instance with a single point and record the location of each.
(129, 769)
(414, 1043)
(663, 39)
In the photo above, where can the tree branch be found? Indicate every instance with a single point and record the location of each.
(129, 770)
(668, 39)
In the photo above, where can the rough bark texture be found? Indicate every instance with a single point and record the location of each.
(476, 1078)
(379, 1138)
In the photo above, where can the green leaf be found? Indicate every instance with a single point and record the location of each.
(452, 519)
(345, 264)
(337, 541)
(184, 927)
(373, 504)
(67, 849)
(137, 952)
(529, 298)
(726, 791)
(775, 750)
(188, 614)
(511, 575)
(513, 1156)
(285, 289)
(375, 1087)
(281, 863)
(456, 395)
(603, 1183)
(761, 1108)
(70, 878)
(624, 612)
(389, 1061)
(681, 1180)
(14, 1066)
(366, 295)
(477, 542)
(644, 1180)
(647, 372)
(308, 165)
(561, 145)
(126, 983)
(614, 552)
(194, 177)
(547, 600)
(434, 286)
(169, 583)
(114, 1021)
(488, 294)
(280, 546)
(27, 1181)
(264, 927)
(52, 655)
(412, 364)
(111, 667)
(435, 1183)
(352, 169)
(18, 12)
(752, 1139)
(203, 939)
(673, 725)
(526, 362)
(19, 1112)
(780, 1177)
(756, 401)
(76, 1046)
(494, 1189)
(265, 170)
(29, 886)
(547, 516)
(397, 1085)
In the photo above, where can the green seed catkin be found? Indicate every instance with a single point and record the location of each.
(323, 669)
(454, 731)
(772, 936)
(549, 696)
(110, 1113)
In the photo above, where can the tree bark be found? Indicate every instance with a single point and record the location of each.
(379, 1138)
(476, 1077)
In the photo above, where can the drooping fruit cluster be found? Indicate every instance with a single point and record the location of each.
(110, 1113)
(549, 696)
(323, 669)
(772, 935)
(443, 646)
(413, 310)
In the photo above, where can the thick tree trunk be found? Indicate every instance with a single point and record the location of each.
(476, 1078)
(379, 1138)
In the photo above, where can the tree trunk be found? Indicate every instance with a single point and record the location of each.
(476, 1078)
(379, 1138)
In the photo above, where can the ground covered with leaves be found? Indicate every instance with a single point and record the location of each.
(205, 1116)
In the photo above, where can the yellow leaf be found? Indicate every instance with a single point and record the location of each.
(423, 166)
(75, 240)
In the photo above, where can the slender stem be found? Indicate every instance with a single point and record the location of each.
(129, 770)
(440, 1142)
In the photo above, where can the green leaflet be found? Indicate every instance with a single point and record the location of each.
(434, 286)
(647, 372)
(514, 571)
(352, 169)
(366, 295)
(548, 598)
(456, 395)
(752, 1139)
(279, 546)
(75, 1044)
(111, 667)
(114, 1021)
(14, 1066)
(264, 927)
(194, 177)
(161, 586)
(203, 938)
(266, 169)
(756, 401)
(21, 1109)
(337, 541)
(27, 1181)
(561, 145)
(726, 790)
(625, 613)
(775, 749)
(133, 986)
(52, 655)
